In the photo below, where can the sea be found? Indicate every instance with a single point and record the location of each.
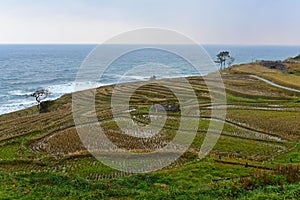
(27, 68)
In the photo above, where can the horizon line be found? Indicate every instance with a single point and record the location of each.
(204, 44)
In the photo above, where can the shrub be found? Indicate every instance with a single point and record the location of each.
(282, 175)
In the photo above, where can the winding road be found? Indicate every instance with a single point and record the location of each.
(275, 84)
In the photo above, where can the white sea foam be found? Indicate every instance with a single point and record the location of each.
(11, 107)
(70, 87)
(18, 93)
(25, 101)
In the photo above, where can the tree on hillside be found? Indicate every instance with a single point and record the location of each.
(224, 57)
(40, 95)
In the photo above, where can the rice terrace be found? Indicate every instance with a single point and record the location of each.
(257, 155)
(150, 100)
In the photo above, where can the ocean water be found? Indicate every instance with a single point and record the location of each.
(27, 68)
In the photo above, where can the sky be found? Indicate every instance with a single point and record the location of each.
(237, 22)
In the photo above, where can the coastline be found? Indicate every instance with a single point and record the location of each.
(54, 67)
(111, 85)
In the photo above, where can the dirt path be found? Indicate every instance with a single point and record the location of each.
(275, 84)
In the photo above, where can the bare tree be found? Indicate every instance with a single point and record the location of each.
(40, 95)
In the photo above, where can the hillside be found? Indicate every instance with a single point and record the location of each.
(41, 155)
(289, 77)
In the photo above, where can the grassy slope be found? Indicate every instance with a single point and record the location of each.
(27, 170)
(277, 76)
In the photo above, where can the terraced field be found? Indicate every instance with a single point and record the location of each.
(42, 156)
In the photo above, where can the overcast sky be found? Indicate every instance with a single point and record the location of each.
(273, 22)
